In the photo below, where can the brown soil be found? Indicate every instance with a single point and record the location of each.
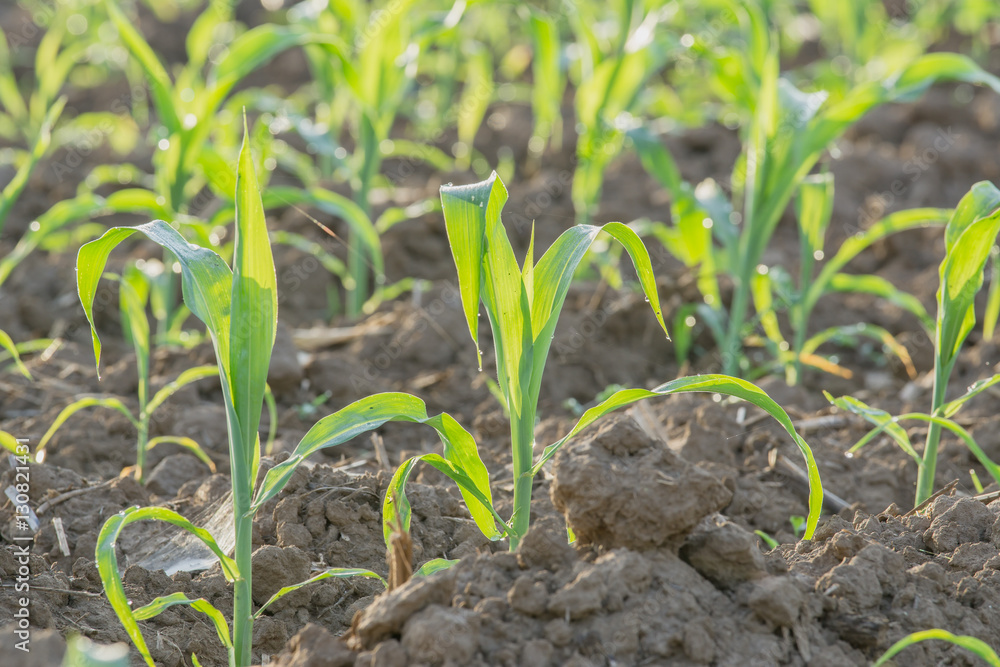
(663, 500)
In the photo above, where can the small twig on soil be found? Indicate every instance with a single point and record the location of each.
(947, 490)
(988, 498)
(778, 462)
(70, 494)
(381, 456)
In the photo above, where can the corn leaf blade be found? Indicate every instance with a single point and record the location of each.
(721, 384)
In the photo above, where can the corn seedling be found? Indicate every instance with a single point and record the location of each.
(788, 133)
(239, 308)
(133, 297)
(372, 56)
(975, 646)
(611, 76)
(813, 207)
(11, 349)
(969, 237)
(523, 306)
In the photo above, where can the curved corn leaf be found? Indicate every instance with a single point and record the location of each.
(328, 260)
(206, 280)
(721, 384)
(161, 604)
(992, 314)
(880, 418)
(863, 329)
(972, 644)
(338, 572)
(396, 506)
(8, 344)
(272, 414)
(372, 412)
(434, 565)
(850, 248)
(76, 406)
(951, 407)
(185, 378)
(160, 85)
(107, 563)
(969, 238)
(10, 443)
(880, 287)
(813, 208)
(188, 443)
(469, 212)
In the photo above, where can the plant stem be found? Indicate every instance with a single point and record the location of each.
(522, 432)
(140, 453)
(925, 474)
(242, 599)
(357, 267)
(731, 345)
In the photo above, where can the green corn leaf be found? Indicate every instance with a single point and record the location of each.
(161, 604)
(336, 205)
(333, 572)
(10, 443)
(549, 84)
(185, 378)
(372, 412)
(206, 281)
(853, 246)
(720, 384)
(160, 85)
(477, 93)
(76, 406)
(201, 36)
(951, 407)
(761, 290)
(882, 288)
(972, 644)
(10, 94)
(969, 237)
(272, 414)
(469, 210)
(138, 200)
(107, 563)
(814, 207)
(880, 418)
(328, 260)
(254, 322)
(136, 327)
(249, 51)
(992, 314)
(852, 331)
(396, 506)
(434, 565)
(8, 344)
(187, 443)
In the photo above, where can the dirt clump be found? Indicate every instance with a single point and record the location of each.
(622, 488)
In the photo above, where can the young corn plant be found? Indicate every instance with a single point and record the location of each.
(523, 306)
(133, 298)
(238, 306)
(814, 205)
(969, 236)
(789, 131)
(364, 69)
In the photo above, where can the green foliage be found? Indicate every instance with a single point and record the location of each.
(786, 136)
(523, 306)
(969, 237)
(239, 308)
(976, 646)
